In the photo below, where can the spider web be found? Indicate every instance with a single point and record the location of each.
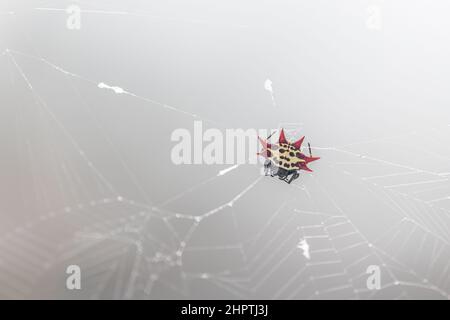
(86, 199)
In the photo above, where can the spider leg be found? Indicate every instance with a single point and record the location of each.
(267, 167)
(294, 176)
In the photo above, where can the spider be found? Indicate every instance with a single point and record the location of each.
(285, 159)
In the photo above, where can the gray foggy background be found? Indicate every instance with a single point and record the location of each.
(86, 177)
